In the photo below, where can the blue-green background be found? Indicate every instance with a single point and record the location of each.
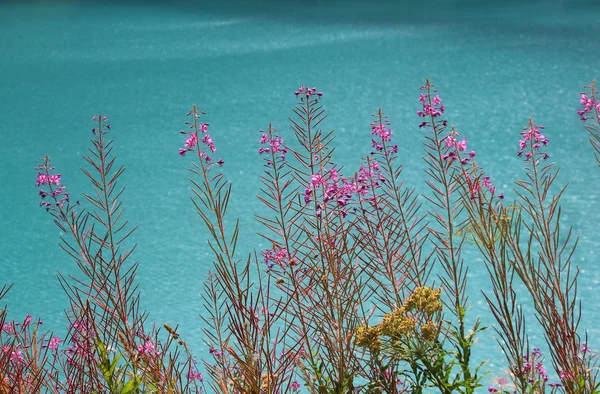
(143, 64)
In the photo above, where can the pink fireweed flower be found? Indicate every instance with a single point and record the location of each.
(147, 349)
(53, 343)
(432, 107)
(8, 328)
(275, 144)
(304, 92)
(45, 180)
(295, 385)
(274, 257)
(16, 356)
(462, 145)
(191, 142)
(589, 106)
(51, 179)
(195, 375)
(216, 353)
(485, 182)
(534, 138)
(565, 375)
(450, 142)
(381, 131)
(307, 194)
(317, 179)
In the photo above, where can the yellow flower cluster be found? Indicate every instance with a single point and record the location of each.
(397, 324)
(429, 331)
(368, 337)
(424, 299)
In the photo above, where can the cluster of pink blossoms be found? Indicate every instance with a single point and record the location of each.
(533, 365)
(303, 91)
(193, 139)
(195, 375)
(533, 371)
(454, 147)
(191, 142)
(273, 257)
(8, 328)
(147, 349)
(340, 189)
(589, 106)
(82, 345)
(45, 181)
(432, 107)
(53, 343)
(534, 138)
(16, 355)
(216, 353)
(275, 144)
(385, 135)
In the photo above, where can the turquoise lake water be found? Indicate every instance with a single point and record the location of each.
(144, 64)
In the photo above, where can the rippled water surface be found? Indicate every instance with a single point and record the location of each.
(144, 64)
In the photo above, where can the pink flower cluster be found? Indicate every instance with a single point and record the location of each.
(16, 356)
(303, 91)
(8, 328)
(341, 190)
(535, 139)
(147, 349)
(369, 177)
(589, 106)
(275, 144)
(50, 179)
(195, 375)
(535, 365)
(381, 131)
(273, 257)
(193, 139)
(45, 180)
(82, 344)
(454, 147)
(216, 353)
(53, 343)
(385, 135)
(432, 107)
(295, 385)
